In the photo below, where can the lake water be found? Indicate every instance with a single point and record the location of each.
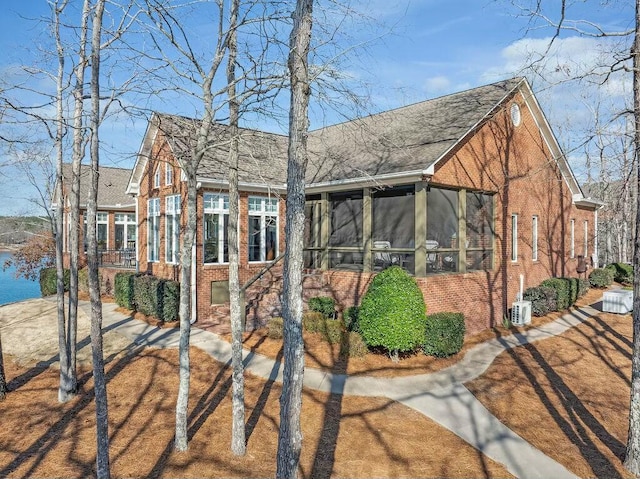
(15, 289)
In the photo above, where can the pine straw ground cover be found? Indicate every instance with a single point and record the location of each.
(343, 436)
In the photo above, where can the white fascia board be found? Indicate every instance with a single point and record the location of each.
(366, 182)
(133, 187)
(215, 183)
(589, 203)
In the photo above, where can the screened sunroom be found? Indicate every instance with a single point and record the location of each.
(423, 229)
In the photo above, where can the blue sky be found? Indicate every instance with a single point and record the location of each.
(414, 50)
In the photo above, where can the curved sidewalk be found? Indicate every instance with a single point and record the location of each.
(440, 396)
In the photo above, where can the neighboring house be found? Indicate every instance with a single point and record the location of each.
(466, 192)
(116, 217)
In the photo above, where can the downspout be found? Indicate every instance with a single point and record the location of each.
(137, 197)
(596, 260)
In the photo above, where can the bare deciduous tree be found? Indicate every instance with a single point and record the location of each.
(290, 433)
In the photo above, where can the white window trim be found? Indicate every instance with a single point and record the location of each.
(168, 174)
(534, 238)
(586, 238)
(572, 246)
(262, 213)
(128, 221)
(156, 178)
(172, 216)
(153, 244)
(514, 238)
(104, 221)
(216, 206)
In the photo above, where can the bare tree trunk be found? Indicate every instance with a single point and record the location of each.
(290, 433)
(238, 441)
(68, 374)
(100, 384)
(3, 379)
(632, 456)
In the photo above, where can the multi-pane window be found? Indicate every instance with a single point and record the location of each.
(102, 230)
(263, 228)
(216, 222)
(514, 237)
(125, 230)
(156, 178)
(153, 230)
(172, 224)
(534, 238)
(572, 246)
(168, 174)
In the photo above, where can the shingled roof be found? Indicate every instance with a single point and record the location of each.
(410, 139)
(112, 183)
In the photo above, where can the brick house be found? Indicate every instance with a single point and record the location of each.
(466, 192)
(116, 217)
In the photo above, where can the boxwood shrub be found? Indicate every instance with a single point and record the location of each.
(350, 318)
(275, 328)
(313, 321)
(332, 331)
(622, 272)
(444, 334)
(323, 304)
(170, 301)
(48, 281)
(124, 289)
(544, 299)
(353, 345)
(601, 277)
(392, 313)
(583, 287)
(563, 291)
(148, 295)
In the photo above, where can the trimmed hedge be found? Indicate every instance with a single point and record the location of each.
(601, 277)
(124, 290)
(48, 281)
(392, 313)
(353, 346)
(444, 334)
(313, 321)
(275, 328)
(544, 299)
(170, 301)
(332, 331)
(323, 304)
(583, 287)
(563, 291)
(350, 318)
(148, 294)
(622, 272)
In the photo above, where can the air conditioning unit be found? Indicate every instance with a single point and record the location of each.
(521, 313)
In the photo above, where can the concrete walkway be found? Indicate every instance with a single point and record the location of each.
(440, 396)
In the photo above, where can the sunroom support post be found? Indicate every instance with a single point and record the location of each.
(325, 217)
(421, 229)
(367, 205)
(462, 231)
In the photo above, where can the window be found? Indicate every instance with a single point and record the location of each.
(156, 178)
(153, 231)
(216, 221)
(514, 237)
(172, 224)
(480, 232)
(572, 249)
(586, 239)
(125, 230)
(263, 228)
(102, 230)
(168, 174)
(534, 239)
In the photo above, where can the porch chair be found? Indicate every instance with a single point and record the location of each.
(383, 259)
(432, 257)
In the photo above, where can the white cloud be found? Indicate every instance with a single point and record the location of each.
(436, 85)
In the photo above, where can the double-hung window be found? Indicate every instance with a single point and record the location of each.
(168, 174)
(514, 237)
(534, 238)
(156, 178)
(263, 228)
(102, 230)
(153, 229)
(172, 222)
(572, 246)
(125, 230)
(216, 222)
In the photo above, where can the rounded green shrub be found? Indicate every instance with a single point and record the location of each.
(583, 287)
(353, 345)
(123, 289)
(444, 334)
(170, 301)
(323, 304)
(332, 331)
(350, 318)
(543, 299)
(601, 277)
(313, 321)
(48, 281)
(275, 328)
(392, 313)
(562, 287)
(622, 272)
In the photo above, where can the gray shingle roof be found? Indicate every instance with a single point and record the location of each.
(112, 184)
(409, 138)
